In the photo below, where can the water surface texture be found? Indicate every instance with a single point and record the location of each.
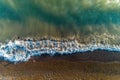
(92, 23)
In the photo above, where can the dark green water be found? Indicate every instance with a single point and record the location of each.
(86, 20)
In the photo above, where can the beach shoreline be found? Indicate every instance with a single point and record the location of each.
(64, 67)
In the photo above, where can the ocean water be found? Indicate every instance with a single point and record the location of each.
(55, 26)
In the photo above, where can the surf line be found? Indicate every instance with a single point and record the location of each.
(22, 50)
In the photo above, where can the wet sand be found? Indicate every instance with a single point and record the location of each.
(65, 67)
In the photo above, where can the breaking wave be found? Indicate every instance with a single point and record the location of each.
(22, 50)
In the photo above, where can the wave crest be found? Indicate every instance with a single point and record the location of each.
(22, 50)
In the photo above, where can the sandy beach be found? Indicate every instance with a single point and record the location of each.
(62, 68)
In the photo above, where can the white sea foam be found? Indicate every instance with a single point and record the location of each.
(23, 50)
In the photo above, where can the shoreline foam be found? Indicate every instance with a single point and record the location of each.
(22, 50)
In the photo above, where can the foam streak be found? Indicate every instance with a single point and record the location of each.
(23, 50)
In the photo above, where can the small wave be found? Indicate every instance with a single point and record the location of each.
(23, 50)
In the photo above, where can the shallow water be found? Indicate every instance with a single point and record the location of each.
(23, 50)
(58, 19)
(93, 24)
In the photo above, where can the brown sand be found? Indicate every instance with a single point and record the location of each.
(63, 68)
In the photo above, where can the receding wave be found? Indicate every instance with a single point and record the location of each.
(20, 50)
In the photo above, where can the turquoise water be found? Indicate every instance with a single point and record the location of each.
(90, 22)
(59, 19)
